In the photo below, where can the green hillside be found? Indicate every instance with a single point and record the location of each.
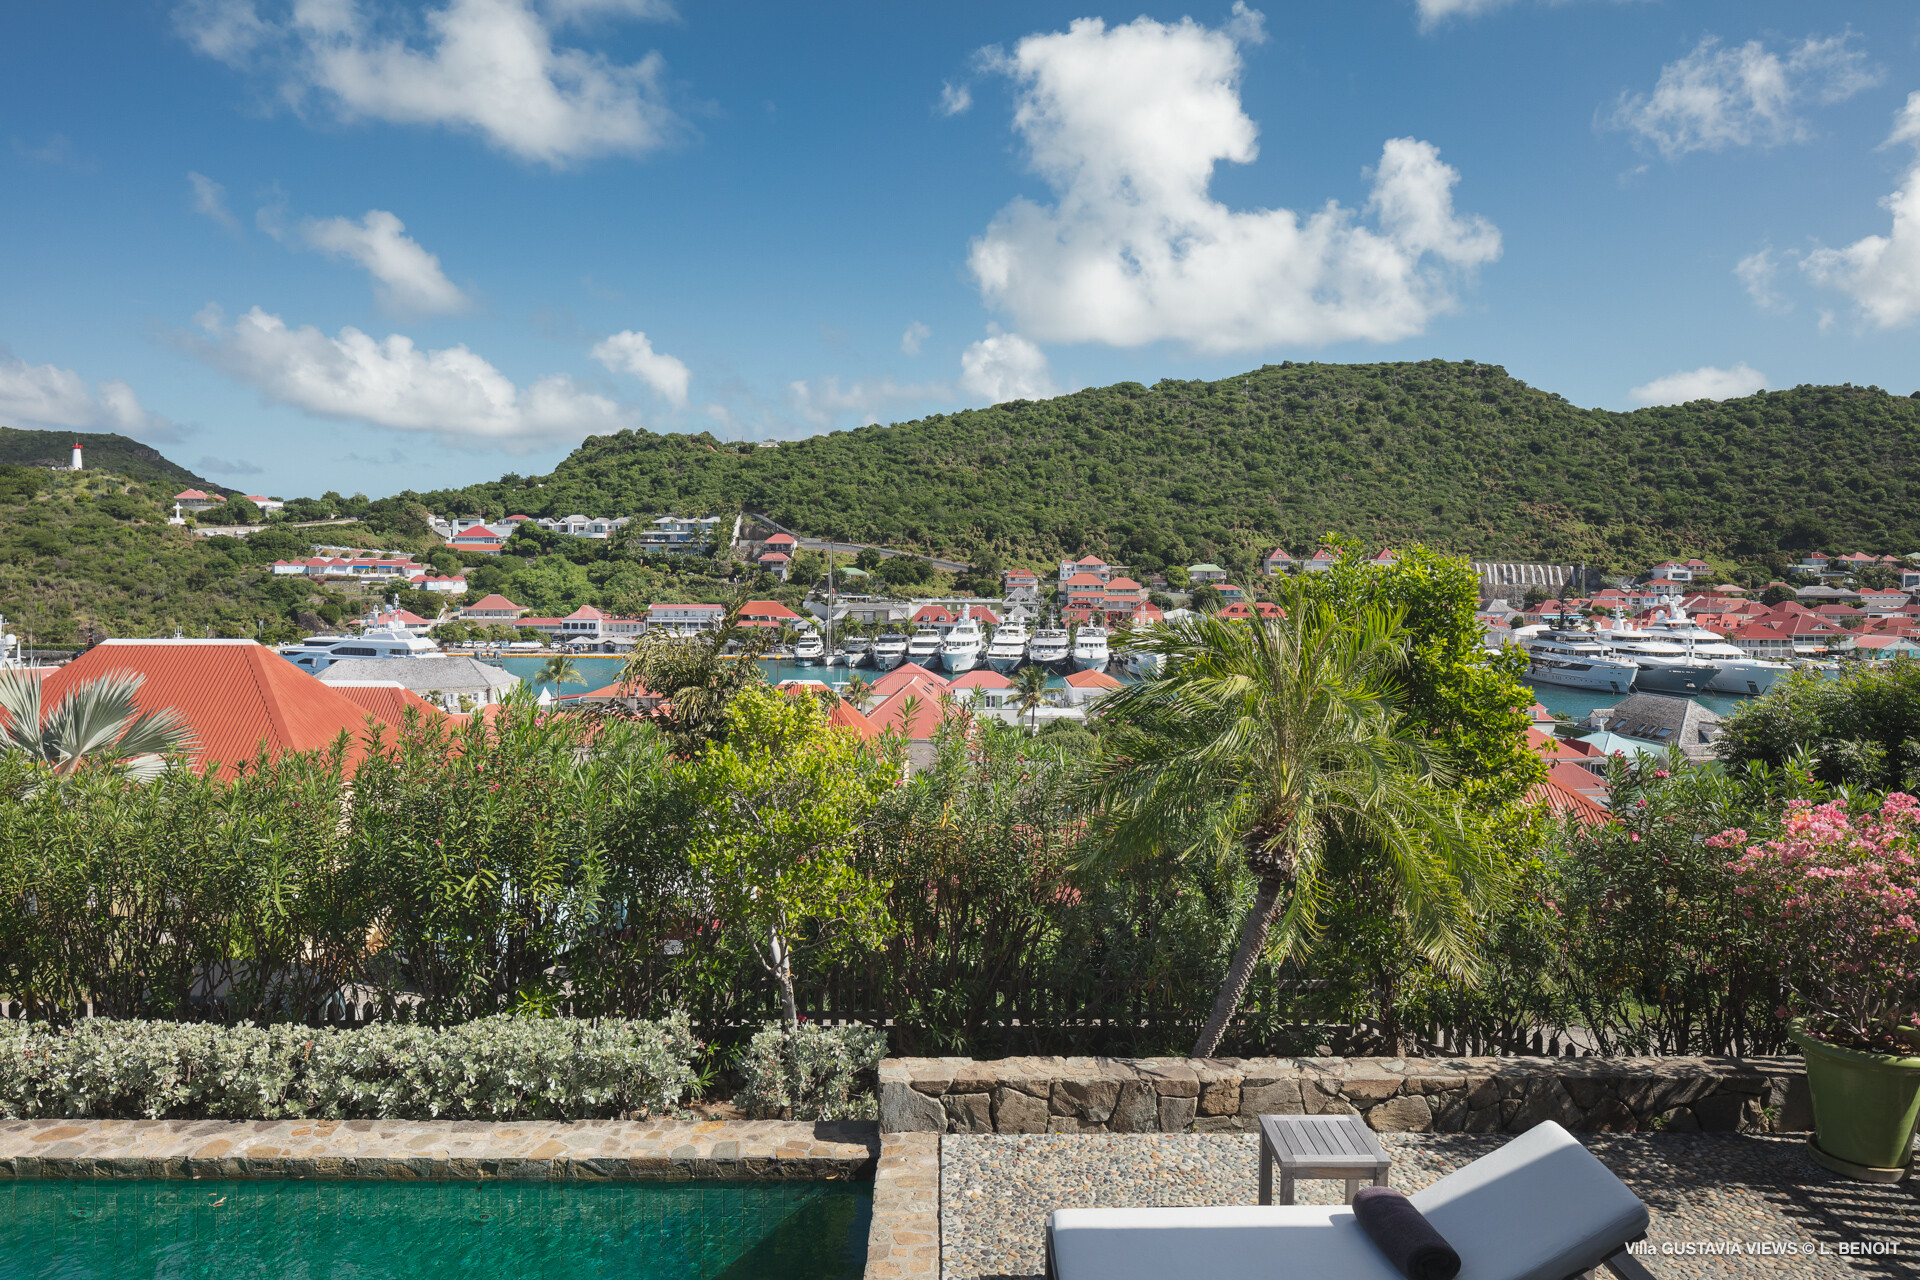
(106, 451)
(1460, 456)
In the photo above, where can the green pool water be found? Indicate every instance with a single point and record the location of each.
(285, 1230)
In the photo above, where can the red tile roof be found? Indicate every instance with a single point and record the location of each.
(905, 674)
(933, 613)
(982, 678)
(237, 695)
(1085, 580)
(776, 557)
(388, 703)
(1093, 680)
(1090, 558)
(493, 602)
(782, 540)
(845, 715)
(189, 495)
(760, 609)
(928, 713)
(1566, 803)
(1123, 584)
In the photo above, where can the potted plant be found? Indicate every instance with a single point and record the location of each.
(1841, 885)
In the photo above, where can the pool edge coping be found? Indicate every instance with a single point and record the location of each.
(905, 1240)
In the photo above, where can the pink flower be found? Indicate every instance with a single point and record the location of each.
(1634, 837)
(1661, 773)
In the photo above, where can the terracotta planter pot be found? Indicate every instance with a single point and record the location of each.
(1864, 1108)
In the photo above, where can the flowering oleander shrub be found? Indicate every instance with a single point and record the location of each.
(498, 1068)
(811, 1072)
(1840, 887)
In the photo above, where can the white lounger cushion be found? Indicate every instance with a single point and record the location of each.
(1539, 1208)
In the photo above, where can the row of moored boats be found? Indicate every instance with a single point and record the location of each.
(967, 645)
(1670, 654)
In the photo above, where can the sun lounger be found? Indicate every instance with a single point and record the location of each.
(1539, 1208)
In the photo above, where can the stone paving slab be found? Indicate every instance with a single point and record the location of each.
(905, 1240)
(1719, 1202)
(585, 1150)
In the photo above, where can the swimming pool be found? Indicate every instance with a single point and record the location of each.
(321, 1230)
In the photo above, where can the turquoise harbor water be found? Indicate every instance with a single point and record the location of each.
(288, 1230)
(603, 671)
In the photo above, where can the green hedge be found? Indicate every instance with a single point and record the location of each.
(500, 1068)
(812, 1072)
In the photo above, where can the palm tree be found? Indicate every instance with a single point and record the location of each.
(856, 691)
(1030, 690)
(1271, 742)
(559, 669)
(98, 722)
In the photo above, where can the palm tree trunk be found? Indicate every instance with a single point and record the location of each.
(1253, 940)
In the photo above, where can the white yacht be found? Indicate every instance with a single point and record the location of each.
(889, 651)
(964, 647)
(1090, 652)
(316, 653)
(1009, 648)
(1666, 665)
(809, 649)
(1736, 671)
(1579, 660)
(1050, 648)
(856, 648)
(923, 648)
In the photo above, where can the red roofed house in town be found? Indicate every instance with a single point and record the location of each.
(915, 712)
(990, 687)
(766, 613)
(1563, 801)
(1242, 610)
(194, 500)
(1278, 563)
(1086, 687)
(777, 563)
(1758, 640)
(939, 617)
(781, 542)
(431, 582)
(492, 608)
(478, 538)
(1229, 592)
(1086, 590)
(983, 615)
(904, 675)
(236, 695)
(1120, 589)
(635, 697)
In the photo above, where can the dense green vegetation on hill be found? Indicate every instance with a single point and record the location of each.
(1457, 455)
(108, 451)
(92, 553)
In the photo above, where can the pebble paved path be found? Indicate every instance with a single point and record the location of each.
(997, 1189)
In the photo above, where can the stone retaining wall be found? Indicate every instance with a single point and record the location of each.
(1398, 1095)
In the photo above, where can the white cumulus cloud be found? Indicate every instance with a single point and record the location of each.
(1434, 11)
(406, 276)
(955, 99)
(824, 401)
(51, 398)
(488, 66)
(389, 382)
(1718, 97)
(629, 351)
(1126, 124)
(1704, 383)
(210, 198)
(1005, 366)
(1882, 273)
(1757, 272)
(916, 333)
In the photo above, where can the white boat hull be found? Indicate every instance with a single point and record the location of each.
(960, 663)
(1091, 661)
(1753, 678)
(888, 661)
(1006, 663)
(1606, 679)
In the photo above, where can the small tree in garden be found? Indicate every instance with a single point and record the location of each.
(1271, 742)
(782, 799)
(1839, 891)
(97, 722)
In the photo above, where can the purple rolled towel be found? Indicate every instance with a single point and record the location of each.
(1404, 1235)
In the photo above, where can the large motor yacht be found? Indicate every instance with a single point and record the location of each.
(316, 653)
(964, 647)
(1666, 665)
(1736, 671)
(923, 648)
(1090, 651)
(1050, 648)
(809, 650)
(1008, 649)
(889, 651)
(1579, 660)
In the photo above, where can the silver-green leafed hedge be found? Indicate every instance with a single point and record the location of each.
(812, 1072)
(503, 1068)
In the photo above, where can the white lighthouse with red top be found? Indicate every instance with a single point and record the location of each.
(76, 456)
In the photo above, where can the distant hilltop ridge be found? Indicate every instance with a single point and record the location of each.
(105, 451)
(1457, 455)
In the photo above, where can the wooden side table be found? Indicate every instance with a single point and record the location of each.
(1319, 1147)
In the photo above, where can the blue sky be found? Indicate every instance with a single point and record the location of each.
(357, 244)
